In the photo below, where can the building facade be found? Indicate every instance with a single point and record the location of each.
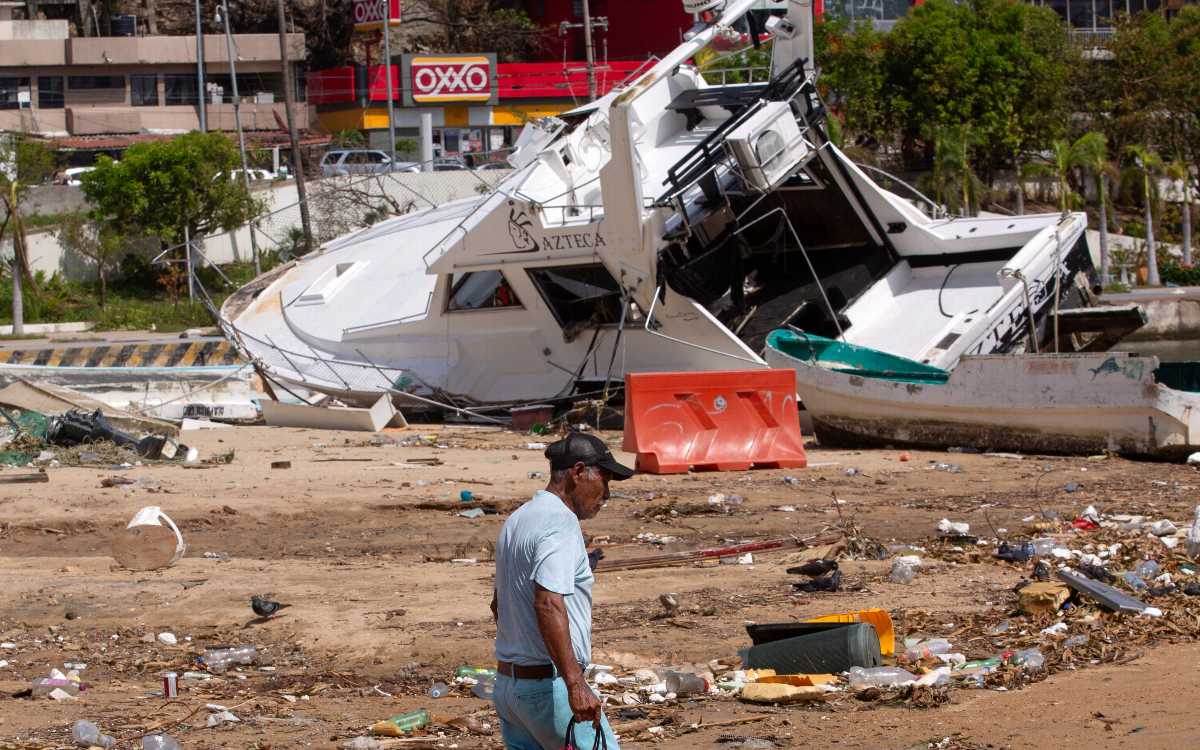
(476, 105)
(56, 85)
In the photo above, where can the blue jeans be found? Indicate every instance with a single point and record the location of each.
(534, 715)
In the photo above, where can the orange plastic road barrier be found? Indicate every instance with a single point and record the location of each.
(877, 617)
(723, 421)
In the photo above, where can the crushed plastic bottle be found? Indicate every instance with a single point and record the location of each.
(220, 659)
(1193, 537)
(1147, 569)
(438, 690)
(1075, 640)
(475, 672)
(903, 571)
(685, 683)
(928, 649)
(87, 734)
(363, 743)
(485, 688)
(1030, 659)
(1133, 580)
(880, 677)
(409, 721)
(160, 742)
(1042, 547)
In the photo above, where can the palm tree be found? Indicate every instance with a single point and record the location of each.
(1178, 170)
(952, 171)
(1149, 165)
(1091, 153)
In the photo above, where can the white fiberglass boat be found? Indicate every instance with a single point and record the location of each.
(1030, 403)
(668, 226)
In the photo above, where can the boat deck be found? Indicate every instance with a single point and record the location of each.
(918, 307)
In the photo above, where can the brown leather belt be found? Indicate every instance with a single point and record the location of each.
(525, 672)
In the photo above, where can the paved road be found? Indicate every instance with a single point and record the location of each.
(101, 338)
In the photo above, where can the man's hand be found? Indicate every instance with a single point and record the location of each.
(495, 611)
(584, 704)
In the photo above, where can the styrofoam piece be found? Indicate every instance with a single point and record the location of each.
(374, 419)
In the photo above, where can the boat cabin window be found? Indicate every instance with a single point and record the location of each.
(480, 290)
(583, 296)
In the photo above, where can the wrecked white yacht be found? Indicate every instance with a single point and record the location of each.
(669, 226)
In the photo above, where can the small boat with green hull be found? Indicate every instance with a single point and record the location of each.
(1033, 403)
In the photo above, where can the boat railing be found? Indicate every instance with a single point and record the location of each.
(710, 156)
(927, 205)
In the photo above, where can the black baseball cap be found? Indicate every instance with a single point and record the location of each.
(588, 450)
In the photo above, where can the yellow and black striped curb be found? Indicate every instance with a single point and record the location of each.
(183, 354)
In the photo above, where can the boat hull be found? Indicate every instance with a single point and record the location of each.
(1064, 404)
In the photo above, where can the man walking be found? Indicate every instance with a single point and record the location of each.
(543, 603)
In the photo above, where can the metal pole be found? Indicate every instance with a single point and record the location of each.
(387, 62)
(200, 71)
(589, 51)
(187, 254)
(426, 141)
(237, 118)
(289, 96)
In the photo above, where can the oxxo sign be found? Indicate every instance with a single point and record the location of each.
(442, 79)
(369, 14)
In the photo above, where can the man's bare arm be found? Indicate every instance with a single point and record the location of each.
(556, 633)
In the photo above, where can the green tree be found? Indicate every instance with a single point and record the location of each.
(954, 180)
(1000, 66)
(1091, 153)
(171, 190)
(1177, 170)
(1148, 166)
(162, 188)
(1127, 99)
(851, 61)
(100, 243)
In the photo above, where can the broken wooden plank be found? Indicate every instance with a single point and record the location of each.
(34, 478)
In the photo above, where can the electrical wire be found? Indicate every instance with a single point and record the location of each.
(942, 288)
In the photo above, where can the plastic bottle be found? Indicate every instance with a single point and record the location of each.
(1134, 581)
(927, 649)
(87, 734)
(484, 688)
(475, 672)
(438, 690)
(1043, 546)
(683, 683)
(1030, 659)
(220, 659)
(410, 721)
(879, 677)
(903, 572)
(1147, 569)
(1193, 537)
(160, 742)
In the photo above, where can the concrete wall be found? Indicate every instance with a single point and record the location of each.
(36, 30)
(328, 197)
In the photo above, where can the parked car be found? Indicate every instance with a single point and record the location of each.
(343, 162)
(72, 176)
(256, 175)
(494, 165)
(448, 164)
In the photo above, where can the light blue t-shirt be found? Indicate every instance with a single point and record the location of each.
(541, 542)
